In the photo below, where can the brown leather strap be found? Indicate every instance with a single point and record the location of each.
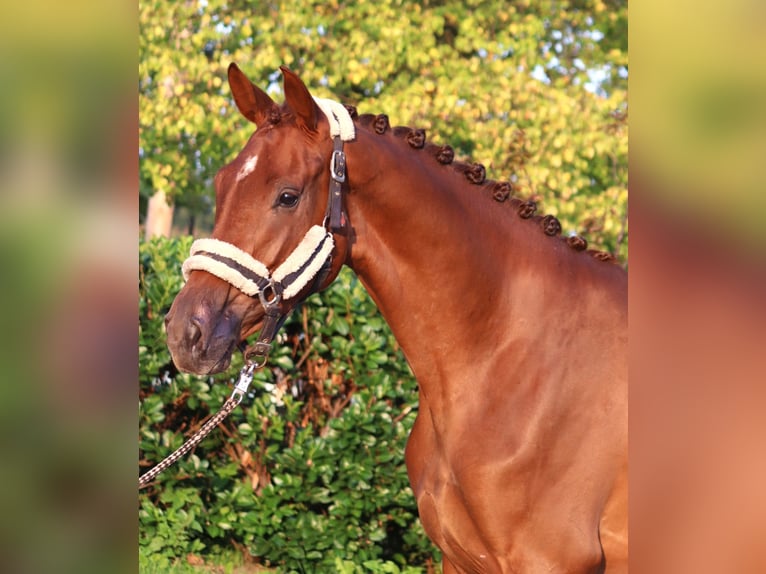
(258, 352)
(335, 218)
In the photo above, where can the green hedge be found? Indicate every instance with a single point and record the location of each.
(308, 474)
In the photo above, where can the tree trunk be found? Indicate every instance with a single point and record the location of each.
(159, 216)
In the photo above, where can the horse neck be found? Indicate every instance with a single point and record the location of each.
(428, 246)
(468, 287)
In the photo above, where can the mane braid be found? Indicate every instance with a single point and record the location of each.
(475, 173)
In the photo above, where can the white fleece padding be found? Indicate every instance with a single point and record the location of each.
(340, 120)
(313, 239)
(230, 251)
(316, 238)
(220, 270)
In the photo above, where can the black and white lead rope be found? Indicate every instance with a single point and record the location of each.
(245, 378)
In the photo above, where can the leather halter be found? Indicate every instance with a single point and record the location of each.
(308, 263)
(314, 252)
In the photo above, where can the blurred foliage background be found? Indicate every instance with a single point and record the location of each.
(536, 91)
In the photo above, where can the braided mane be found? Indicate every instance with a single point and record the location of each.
(475, 173)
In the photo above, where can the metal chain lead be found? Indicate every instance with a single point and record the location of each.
(245, 378)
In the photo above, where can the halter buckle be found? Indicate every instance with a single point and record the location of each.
(338, 166)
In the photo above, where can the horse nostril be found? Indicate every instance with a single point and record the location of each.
(194, 330)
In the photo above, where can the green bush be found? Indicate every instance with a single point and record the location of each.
(308, 474)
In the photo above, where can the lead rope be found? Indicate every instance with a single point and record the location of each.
(245, 378)
(261, 355)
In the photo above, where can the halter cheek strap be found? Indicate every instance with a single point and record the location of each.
(341, 129)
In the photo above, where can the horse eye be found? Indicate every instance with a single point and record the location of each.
(288, 199)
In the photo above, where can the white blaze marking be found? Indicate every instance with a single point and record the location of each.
(248, 167)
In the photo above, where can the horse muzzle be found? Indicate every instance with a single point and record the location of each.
(202, 344)
(203, 330)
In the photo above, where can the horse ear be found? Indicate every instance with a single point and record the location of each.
(299, 99)
(253, 102)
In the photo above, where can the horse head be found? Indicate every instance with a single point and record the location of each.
(271, 244)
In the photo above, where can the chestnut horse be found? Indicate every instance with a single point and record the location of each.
(516, 336)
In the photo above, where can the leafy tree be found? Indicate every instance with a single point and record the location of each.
(537, 91)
